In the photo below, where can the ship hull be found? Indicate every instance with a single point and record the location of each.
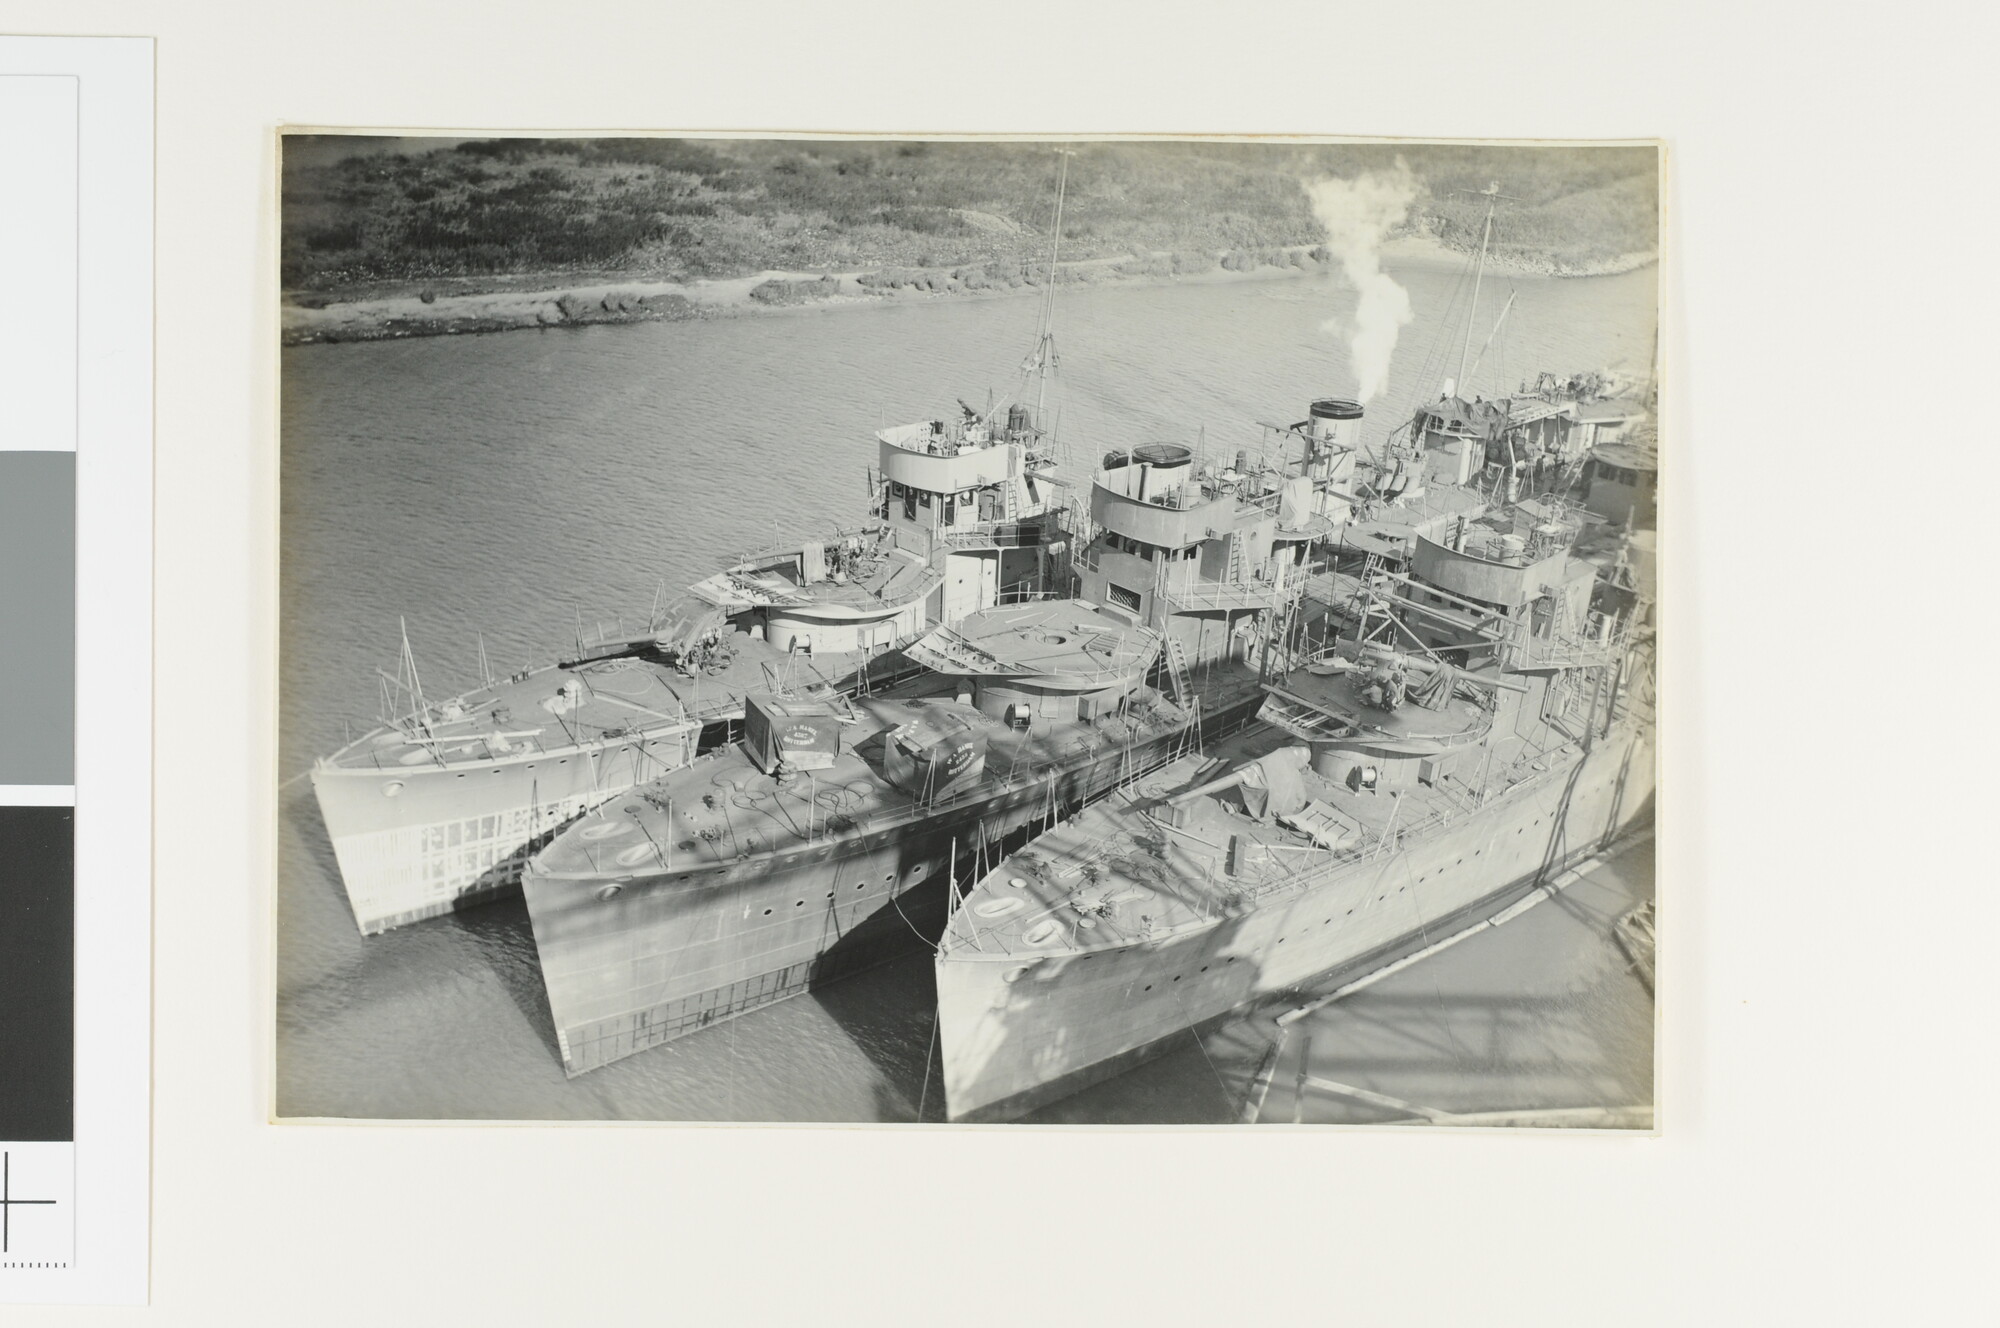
(416, 842)
(1020, 1031)
(629, 965)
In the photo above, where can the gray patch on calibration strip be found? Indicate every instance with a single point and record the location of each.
(38, 618)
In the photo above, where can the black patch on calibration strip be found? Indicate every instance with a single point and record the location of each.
(37, 970)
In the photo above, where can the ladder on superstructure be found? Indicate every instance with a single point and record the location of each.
(1366, 595)
(1177, 671)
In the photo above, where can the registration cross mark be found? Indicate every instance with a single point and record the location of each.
(8, 1201)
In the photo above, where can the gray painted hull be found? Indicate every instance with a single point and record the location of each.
(1021, 1030)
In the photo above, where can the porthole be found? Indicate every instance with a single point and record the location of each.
(1149, 986)
(1204, 968)
(767, 912)
(800, 904)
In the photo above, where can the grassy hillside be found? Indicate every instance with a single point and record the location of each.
(412, 211)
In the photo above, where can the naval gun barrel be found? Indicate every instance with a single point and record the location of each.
(1374, 656)
(1224, 782)
(1220, 784)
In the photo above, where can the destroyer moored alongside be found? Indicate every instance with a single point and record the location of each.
(779, 862)
(440, 806)
(1477, 725)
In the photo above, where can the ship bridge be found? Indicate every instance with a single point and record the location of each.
(980, 497)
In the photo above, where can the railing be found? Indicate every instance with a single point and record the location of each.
(791, 547)
(995, 535)
(529, 743)
(1022, 593)
(1570, 649)
(1216, 594)
(955, 648)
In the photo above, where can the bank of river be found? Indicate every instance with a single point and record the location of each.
(554, 300)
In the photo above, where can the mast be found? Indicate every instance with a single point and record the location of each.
(1043, 357)
(1488, 345)
(410, 671)
(1472, 316)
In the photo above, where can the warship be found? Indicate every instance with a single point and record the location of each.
(440, 806)
(783, 861)
(1462, 716)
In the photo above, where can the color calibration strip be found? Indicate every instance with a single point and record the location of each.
(38, 257)
(75, 540)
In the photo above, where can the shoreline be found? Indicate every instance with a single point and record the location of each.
(585, 300)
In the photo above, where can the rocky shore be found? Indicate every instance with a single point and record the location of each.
(557, 300)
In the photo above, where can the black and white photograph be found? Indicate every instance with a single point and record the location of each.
(898, 630)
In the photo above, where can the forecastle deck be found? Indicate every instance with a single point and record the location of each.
(1118, 934)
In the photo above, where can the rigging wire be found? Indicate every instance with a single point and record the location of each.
(1221, 1084)
(925, 1095)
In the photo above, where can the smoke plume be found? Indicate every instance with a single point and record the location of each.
(1358, 215)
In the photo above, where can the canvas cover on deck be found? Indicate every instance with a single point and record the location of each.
(1295, 503)
(1274, 785)
(802, 735)
(934, 754)
(812, 562)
